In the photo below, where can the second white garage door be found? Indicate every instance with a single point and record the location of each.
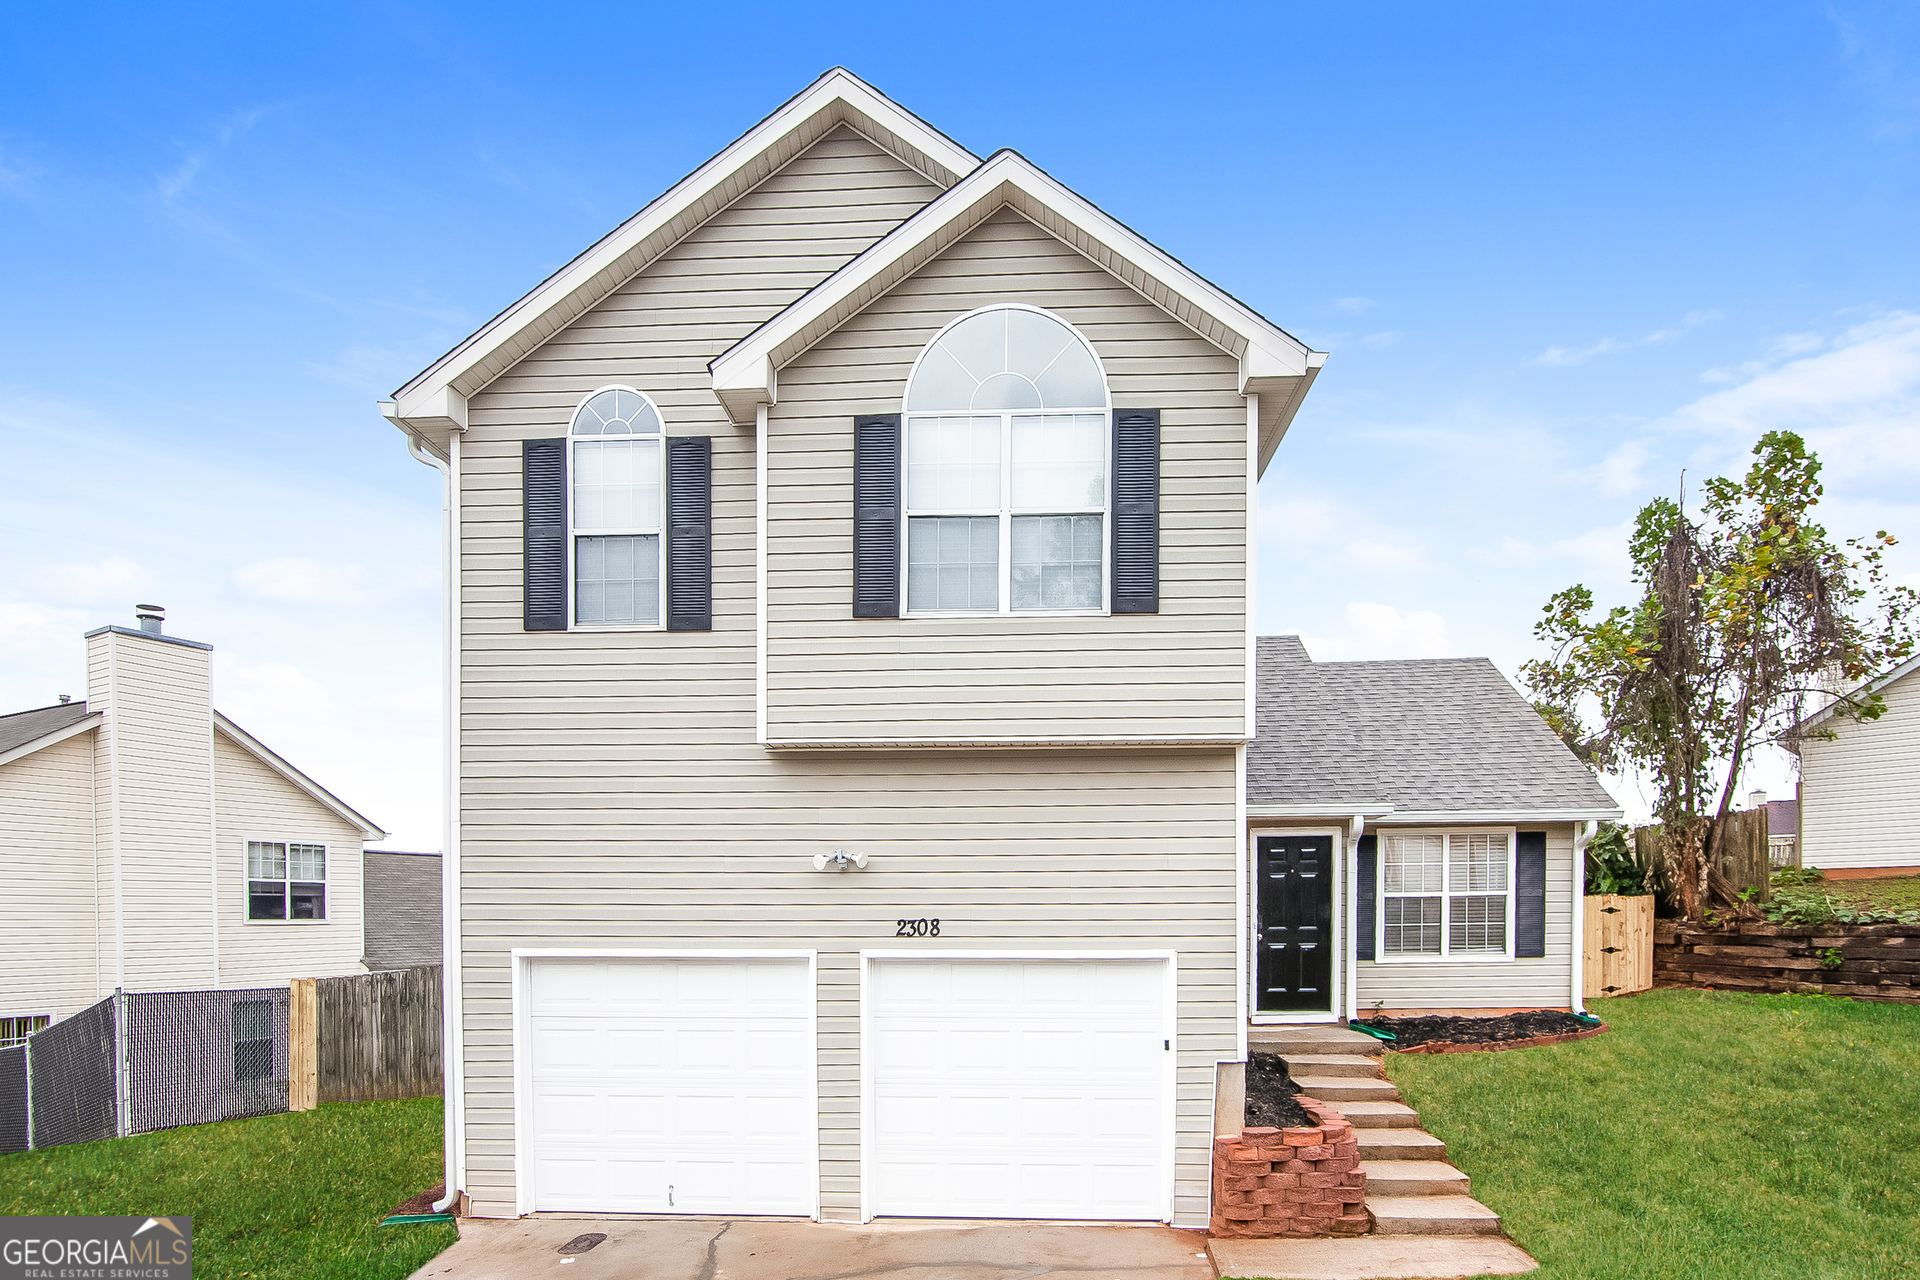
(670, 1085)
(1020, 1088)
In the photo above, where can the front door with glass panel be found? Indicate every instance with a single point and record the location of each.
(1294, 898)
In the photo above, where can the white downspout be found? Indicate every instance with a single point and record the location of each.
(1355, 829)
(453, 1106)
(1583, 834)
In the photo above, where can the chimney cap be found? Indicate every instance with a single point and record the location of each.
(150, 608)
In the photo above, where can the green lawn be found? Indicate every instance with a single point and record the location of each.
(1893, 893)
(288, 1196)
(1708, 1134)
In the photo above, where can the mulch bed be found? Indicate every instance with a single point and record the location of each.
(1270, 1092)
(422, 1203)
(1438, 1034)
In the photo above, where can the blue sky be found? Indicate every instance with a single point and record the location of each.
(1559, 253)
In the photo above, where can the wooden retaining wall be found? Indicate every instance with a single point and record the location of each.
(1877, 961)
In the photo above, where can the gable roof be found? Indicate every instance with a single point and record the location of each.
(1407, 741)
(1876, 685)
(259, 751)
(434, 401)
(24, 732)
(1273, 363)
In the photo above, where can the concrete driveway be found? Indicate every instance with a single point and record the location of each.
(760, 1249)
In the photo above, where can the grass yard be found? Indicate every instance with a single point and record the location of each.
(287, 1196)
(1893, 893)
(1708, 1134)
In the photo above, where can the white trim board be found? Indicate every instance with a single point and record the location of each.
(1273, 363)
(1337, 970)
(434, 401)
(1386, 815)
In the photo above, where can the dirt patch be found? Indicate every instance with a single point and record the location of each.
(1536, 1026)
(1270, 1093)
(422, 1203)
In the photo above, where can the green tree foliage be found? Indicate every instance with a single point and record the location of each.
(1749, 619)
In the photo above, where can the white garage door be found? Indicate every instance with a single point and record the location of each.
(672, 1086)
(1020, 1088)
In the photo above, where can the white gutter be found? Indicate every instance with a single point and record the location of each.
(1582, 836)
(452, 1056)
(1386, 813)
(1356, 828)
(1242, 909)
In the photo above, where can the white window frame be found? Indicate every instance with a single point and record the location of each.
(1006, 511)
(1447, 954)
(325, 881)
(573, 535)
(9, 1042)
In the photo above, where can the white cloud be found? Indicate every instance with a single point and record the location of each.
(113, 581)
(1372, 553)
(1619, 472)
(1352, 306)
(1563, 356)
(1382, 631)
(169, 186)
(272, 690)
(300, 580)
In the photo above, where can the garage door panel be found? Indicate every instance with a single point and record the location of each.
(1019, 1089)
(671, 1095)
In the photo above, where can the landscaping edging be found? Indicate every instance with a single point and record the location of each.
(1492, 1045)
(1879, 961)
(1296, 1182)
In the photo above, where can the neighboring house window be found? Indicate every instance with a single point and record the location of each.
(15, 1030)
(1446, 895)
(253, 1039)
(615, 510)
(1006, 441)
(286, 881)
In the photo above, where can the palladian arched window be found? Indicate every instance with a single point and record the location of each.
(1006, 440)
(615, 510)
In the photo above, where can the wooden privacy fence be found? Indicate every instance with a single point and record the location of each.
(1744, 860)
(1618, 947)
(369, 1038)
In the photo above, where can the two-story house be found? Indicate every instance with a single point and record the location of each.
(152, 844)
(852, 676)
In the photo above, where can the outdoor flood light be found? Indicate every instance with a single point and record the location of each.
(838, 860)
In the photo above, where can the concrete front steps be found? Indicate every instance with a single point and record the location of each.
(1411, 1189)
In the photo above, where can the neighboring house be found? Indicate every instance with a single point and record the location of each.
(1417, 841)
(402, 909)
(151, 844)
(1860, 790)
(853, 680)
(1783, 828)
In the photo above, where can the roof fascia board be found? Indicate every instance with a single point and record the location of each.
(1832, 709)
(1373, 811)
(836, 98)
(745, 376)
(265, 754)
(91, 720)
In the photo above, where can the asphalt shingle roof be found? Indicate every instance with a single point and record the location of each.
(1420, 735)
(22, 727)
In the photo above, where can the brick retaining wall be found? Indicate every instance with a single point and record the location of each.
(1291, 1182)
(1880, 961)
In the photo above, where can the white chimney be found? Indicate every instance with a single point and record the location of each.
(1756, 800)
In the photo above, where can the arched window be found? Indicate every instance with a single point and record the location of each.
(614, 509)
(1006, 437)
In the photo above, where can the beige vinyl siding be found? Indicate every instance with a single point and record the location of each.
(613, 795)
(253, 802)
(1488, 984)
(158, 734)
(1178, 674)
(1860, 793)
(47, 911)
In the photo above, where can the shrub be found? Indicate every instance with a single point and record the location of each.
(1803, 908)
(1789, 877)
(1613, 865)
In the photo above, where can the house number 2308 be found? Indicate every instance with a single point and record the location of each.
(922, 928)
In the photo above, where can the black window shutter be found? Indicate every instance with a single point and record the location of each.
(1136, 511)
(1366, 855)
(543, 497)
(876, 516)
(690, 533)
(1530, 894)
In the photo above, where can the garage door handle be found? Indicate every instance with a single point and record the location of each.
(1167, 1045)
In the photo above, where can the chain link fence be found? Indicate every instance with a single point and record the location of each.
(136, 1062)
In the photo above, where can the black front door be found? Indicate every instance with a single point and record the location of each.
(1294, 879)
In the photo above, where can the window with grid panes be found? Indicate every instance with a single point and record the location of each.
(286, 880)
(1006, 439)
(615, 510)
(1445, 894)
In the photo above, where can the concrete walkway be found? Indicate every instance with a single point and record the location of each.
(760, 1249)
(1370, 1258)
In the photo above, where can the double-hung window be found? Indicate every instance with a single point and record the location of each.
(1006, 443)
(1446, 894)
(615, 509)
(286, 881)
